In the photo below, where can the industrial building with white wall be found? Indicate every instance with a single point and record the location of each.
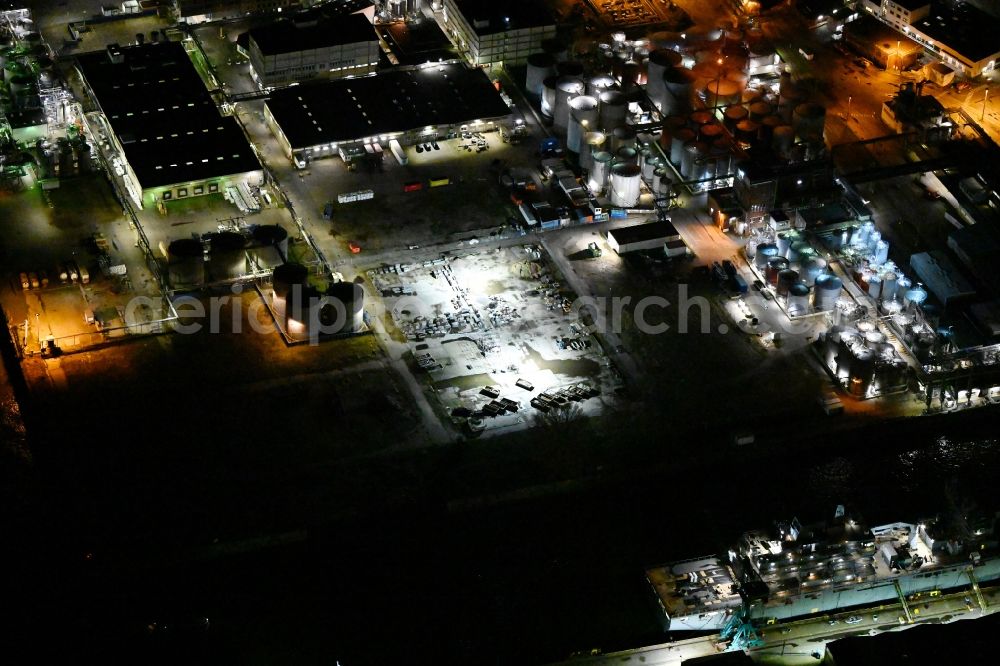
(172, 138)
(493, 32)
(290, 51)
(322, 119)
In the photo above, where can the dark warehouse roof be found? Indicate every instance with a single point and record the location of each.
(287, 37)
(643, 232)
(162, 114)
(389, 102)
(491, 16)
(969, 31)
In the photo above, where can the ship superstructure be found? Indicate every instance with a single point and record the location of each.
(794, 571)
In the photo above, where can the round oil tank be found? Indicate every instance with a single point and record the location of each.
(613, 109)
(767, 125)
(624, 189)
(699, 118)
(548, 105)
(721, 151)
(286, 277)
(862, 372)
(556, 48)
(186, 263)
(623, 137)
(751, 95)
(582, 119)
(746, 131)
(739, 77)
(812, 268)
(874, 285)
(670, 125)
(808, 120)
(890, 283)
(710, 131)
(348, 300)
(903, 284)
(593, 142)
(707, 70)
(626, 155)
(271, 234)
(540, 67)
(650, 163)
(799, 251)
(660, 61)
(599, 84)
(733, 115)
(681, 137)
(785, 279)
(764, 252)
(600, 171)
(828, 288)
(915, 296)
(760, 110)
(721, 92)
(874, 339)
(774, 266)
(788, 100)
(798, 298)
(659, 175)
(227, 255)
(782, 139)
(678, 83)
(691, 157)
(567, 87)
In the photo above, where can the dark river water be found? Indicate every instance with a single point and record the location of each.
(521, 583)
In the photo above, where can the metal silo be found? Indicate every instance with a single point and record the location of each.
(272, 234)
(785, 279)
(733, 115)
(623, 137)
(582, 119)
(812, 268)
(827, 291)
(593, 142)
(767, 126)
(572, 68)
(650, 163)
(540, 67)
(874, 285)
(624, 189)
(915, 296)
(347, 305)
(862, 372)
(746, 131)
(774, 267)
(556, 48)
(567, 87)
(799, 251)
(680, 138)
(670, 125)
(186, 263)
(677, 83)
(721, 92)
(789, 98)
(691, 153)
(227, 255)
(614, 107)
(626, 155)
(660, 61)
(890, 283)
(658, 175)
(599, 172)
(710, 131)
(808, 120)
(760, 110)
(782, 139)
(549, 96)
(599, 84)
(765, 252)
(798, 298)
(784, 242)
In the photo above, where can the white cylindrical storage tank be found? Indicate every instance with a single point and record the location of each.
(599, 84)
(599, 172)
(623, 137)
(186, 263)
(540, 67)
(784, 242)
(874, 285)
(548, 105)
(649, 164)
(567, 87)
(783, 139)
(764, 253)
(827, 291)
(593, 142)
(680, 139)
(613, 109)
(582, 119)
(798, 299)
(660, 61)
(658, 175)
(808, 120)
(677, 83)
(812, 268)
(693, 151)
(890, 283)
(624, 189)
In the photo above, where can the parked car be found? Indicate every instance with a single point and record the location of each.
(854, 619)
(354, 247)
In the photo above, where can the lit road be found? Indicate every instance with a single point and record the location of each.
(798, 642)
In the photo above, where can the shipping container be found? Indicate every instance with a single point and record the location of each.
(438, 182)
(413, 186)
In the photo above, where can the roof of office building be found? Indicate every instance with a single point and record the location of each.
(388, 102)
(164, 118)
(288, 36)
(969, 31)
(491, 16)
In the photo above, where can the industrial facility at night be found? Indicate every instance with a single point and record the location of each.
(611, 331)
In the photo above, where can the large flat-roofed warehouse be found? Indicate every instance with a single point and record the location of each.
(323, 118)
(498, 31)
(648, 236)
(290, 50)
(174, 142)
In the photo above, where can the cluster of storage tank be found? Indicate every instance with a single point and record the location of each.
(193, 263)
(64, 158)
(861, 356)
(305, 311)
(797, 272)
